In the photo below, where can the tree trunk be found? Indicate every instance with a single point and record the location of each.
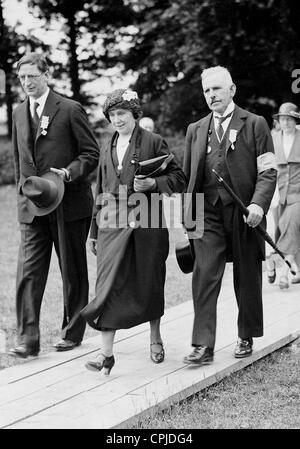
(9, 108)
(7, 69)
(74, 68)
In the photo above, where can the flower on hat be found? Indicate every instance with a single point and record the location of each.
(122, 98)
(295, 114)
(129, 95)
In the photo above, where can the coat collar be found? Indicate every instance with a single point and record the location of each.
(50, 110)
(203, 125)
(23, 121)
(294, 155)
(237, 122)
(131, 156)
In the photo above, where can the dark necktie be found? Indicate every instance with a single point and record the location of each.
(219, 129)
(35, 117)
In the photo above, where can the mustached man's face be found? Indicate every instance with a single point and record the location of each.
(218, 92)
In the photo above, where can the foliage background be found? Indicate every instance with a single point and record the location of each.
(164, 45)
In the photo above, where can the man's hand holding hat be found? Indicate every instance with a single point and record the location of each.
(63, 173)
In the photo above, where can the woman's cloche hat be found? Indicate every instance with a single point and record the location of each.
(123, 99)
(288, 109)
(43, 192)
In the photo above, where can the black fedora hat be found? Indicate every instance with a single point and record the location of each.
(43, 192)
(185, 257)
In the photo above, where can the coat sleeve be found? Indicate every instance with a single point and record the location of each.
(85, 142)
(15, 150)
(96, 206)
(266, 166)
(187, 153)
(173, 179)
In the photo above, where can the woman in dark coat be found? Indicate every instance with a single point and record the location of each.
(128, 232)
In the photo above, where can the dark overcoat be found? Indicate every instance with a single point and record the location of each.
(244, 159)
(69, 143)
(130, 260)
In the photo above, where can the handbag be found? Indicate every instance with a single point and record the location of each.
(153, 167)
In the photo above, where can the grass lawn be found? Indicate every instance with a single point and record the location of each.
(265, 395)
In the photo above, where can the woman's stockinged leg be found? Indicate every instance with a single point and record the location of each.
(157, 353)
(106, 358)
(108, 338)
(155, 336)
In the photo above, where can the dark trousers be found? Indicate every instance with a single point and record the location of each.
(224, 230)
(35, 251)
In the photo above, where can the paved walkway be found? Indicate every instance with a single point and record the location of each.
(56, 391)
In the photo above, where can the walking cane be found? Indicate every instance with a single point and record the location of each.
(63, 255)
(258, 228)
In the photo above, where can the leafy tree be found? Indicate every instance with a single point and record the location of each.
(90, 31)
(12, 47)
(256, 39)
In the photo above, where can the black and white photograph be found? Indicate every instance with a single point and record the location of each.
(150, 218)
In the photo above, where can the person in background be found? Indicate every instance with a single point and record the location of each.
(51, 132)
(287, 152)
(131, 258)
(275, 127)
(147, 123)
(238, 145)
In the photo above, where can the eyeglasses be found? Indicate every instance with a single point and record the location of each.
(29, 77)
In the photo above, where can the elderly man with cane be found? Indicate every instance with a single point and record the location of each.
(237, 145)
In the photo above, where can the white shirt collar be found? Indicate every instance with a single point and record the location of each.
(41, 101)
(228, 110)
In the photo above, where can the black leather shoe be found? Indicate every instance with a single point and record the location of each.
(23, 351)
(243, 347)
(104, 362)
(66, 345)
(201, 355)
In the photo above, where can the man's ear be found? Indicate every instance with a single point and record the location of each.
(233, 89)
(47, 75)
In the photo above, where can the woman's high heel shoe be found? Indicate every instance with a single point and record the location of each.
(157, 357)
(105, 362)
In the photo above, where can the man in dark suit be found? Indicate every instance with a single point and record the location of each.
(51, 132)
(238, 145)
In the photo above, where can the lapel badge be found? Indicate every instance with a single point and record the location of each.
(44, 124)
(232, 137)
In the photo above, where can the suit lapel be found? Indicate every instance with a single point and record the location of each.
(50, 110)
(23, 122)
(202, 138)
(294, 155)
(24, 130)
(236, 123)
(279, 152)
(199, 148)
(130, 155)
